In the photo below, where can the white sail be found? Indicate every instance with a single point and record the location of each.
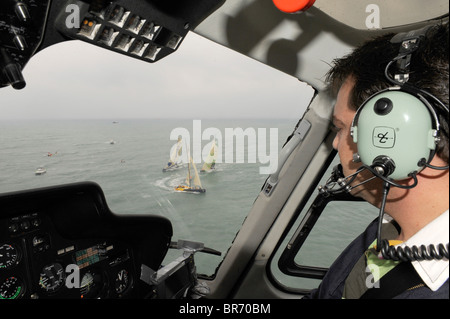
(193, 183)
(175, 156)
(196, 180)
(210, 161)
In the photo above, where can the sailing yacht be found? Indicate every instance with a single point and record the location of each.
(210, 162)
(192, 183)
(175, 157)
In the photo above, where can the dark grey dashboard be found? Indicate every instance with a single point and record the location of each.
(64, 242)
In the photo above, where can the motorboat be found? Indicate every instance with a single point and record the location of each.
(40, 171)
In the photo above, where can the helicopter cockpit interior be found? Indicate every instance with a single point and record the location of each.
(65, 241)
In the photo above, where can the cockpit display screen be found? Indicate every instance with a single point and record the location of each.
(90, 256)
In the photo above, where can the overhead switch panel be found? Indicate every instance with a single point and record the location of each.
(139, 29)
(144, 29)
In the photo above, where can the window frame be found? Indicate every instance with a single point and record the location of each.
(299, 228)
(286, 262)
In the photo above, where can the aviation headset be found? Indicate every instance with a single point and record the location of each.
(396, 130)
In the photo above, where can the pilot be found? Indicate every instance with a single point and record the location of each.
(415, 206)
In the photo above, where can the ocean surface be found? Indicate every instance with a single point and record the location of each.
(126, 157)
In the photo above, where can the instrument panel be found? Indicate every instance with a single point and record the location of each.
(43, 256)
(38, 263)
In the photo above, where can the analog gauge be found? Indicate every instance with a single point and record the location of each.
(87, 284)
(91, 285)
(122, 281)
(11, 288)
(9, 256)
(51, 277)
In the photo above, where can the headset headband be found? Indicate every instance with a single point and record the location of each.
(399, 127)
(409, 43)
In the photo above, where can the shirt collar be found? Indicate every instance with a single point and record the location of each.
(434, 273)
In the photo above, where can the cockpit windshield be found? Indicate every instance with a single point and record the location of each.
(142, 130)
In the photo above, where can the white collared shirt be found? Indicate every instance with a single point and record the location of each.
(434, 273)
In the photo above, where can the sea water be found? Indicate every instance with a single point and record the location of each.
(126, 157)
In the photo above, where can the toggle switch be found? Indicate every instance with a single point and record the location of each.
(20, 43)
(22, 12)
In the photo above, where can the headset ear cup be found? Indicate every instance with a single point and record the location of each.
(397, 125)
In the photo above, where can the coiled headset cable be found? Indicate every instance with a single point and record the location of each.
(406, 253)
(413, 253)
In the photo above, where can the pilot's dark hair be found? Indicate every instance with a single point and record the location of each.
(429, 71)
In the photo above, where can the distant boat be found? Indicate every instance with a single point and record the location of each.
(112, 142)
(210, 162)
(175, 158)
(192, 183)
(40, 171)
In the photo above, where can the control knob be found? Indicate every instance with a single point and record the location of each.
(11, 70)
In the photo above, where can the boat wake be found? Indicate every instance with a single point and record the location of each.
(168, 183)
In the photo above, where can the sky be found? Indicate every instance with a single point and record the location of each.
(200, 80)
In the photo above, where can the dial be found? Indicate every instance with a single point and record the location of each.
(87, 283)
(122, 281)
(9, 256)
(92, 284)
(11, 288)
(51, 277)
